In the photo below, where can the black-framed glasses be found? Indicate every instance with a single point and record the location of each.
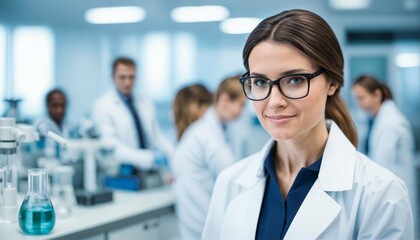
(292, 86)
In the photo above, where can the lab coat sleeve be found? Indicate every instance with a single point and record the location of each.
(142, 159)
(387, 213)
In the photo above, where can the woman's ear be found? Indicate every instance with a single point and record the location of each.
(377, 93)
(332, 88)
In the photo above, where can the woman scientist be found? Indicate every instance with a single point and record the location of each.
(390, 142)
(190, 104)
(203, 152)
(308, 182)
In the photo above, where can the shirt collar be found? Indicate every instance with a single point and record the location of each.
(124, 97)
(271, 169)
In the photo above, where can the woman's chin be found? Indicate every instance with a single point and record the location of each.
(282, 135)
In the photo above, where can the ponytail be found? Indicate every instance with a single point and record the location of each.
(336, 110)
(386, 92)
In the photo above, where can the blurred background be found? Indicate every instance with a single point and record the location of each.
(46, 44)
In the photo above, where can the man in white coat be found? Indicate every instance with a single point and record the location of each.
(129, 121)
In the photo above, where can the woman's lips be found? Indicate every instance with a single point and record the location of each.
(280, 119)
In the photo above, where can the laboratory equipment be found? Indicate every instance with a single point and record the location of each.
(13, 110)
(63, 194)
(91, 194)
(36, 215)
(11, 135)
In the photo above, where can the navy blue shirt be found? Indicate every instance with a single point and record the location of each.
(277, 214)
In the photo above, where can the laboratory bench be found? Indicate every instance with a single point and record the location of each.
(147, 214)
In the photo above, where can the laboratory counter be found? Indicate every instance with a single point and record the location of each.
(147, 214)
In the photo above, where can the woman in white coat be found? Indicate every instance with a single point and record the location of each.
(309, 181)
(390, 140)
(203, 152)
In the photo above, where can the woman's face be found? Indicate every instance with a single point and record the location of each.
(370, 102)
(283, 118)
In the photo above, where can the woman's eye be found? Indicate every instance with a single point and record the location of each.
(295, 81)
(260, 82)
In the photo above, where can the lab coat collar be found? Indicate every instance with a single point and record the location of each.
(212, 116)
(337, 166)
(119, 98)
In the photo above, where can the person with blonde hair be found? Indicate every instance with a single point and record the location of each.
(202, 153)
(190, 104)
(308, 181)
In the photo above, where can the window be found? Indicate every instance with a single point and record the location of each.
(2, 67)
(184, 58)
(155, 67)
(32, 67)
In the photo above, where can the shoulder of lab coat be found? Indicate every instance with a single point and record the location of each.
(45, 123)
(205, 139)
(352, 198)
(105, 118)
(391, 130)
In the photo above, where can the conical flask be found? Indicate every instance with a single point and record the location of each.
(36, 215)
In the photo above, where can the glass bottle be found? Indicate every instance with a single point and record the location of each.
(36, 215)
(63, 195)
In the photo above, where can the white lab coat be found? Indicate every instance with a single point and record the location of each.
(45, 124)
(353, 198)
(117, 127)
(201, 155)
(391, 144)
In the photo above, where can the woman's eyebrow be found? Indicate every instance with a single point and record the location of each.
(292, 71)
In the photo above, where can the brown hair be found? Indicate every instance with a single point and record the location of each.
(372, 84)
(231, 87)
(312, 35)
(187, 104)
(123, 61)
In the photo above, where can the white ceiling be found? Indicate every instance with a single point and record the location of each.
(70, 13)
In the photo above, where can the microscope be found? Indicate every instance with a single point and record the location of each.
(12, 135)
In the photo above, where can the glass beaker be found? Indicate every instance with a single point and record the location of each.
(36, 215)
(63, 194)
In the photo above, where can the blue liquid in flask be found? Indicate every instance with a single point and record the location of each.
(36, 220)
(36, 215)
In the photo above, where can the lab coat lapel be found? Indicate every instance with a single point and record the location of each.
(246, 207)
(244, 213)
(315, 214)
(319, 209)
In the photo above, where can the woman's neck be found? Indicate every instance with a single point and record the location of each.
(302, 151)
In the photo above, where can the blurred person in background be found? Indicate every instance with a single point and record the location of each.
(54, 120)
(190, 104)
(129, 121)
(390, 140)
(203, 152)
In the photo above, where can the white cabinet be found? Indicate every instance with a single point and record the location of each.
(164, 227)
(168, 227)
(96, 237)
(144, 230)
